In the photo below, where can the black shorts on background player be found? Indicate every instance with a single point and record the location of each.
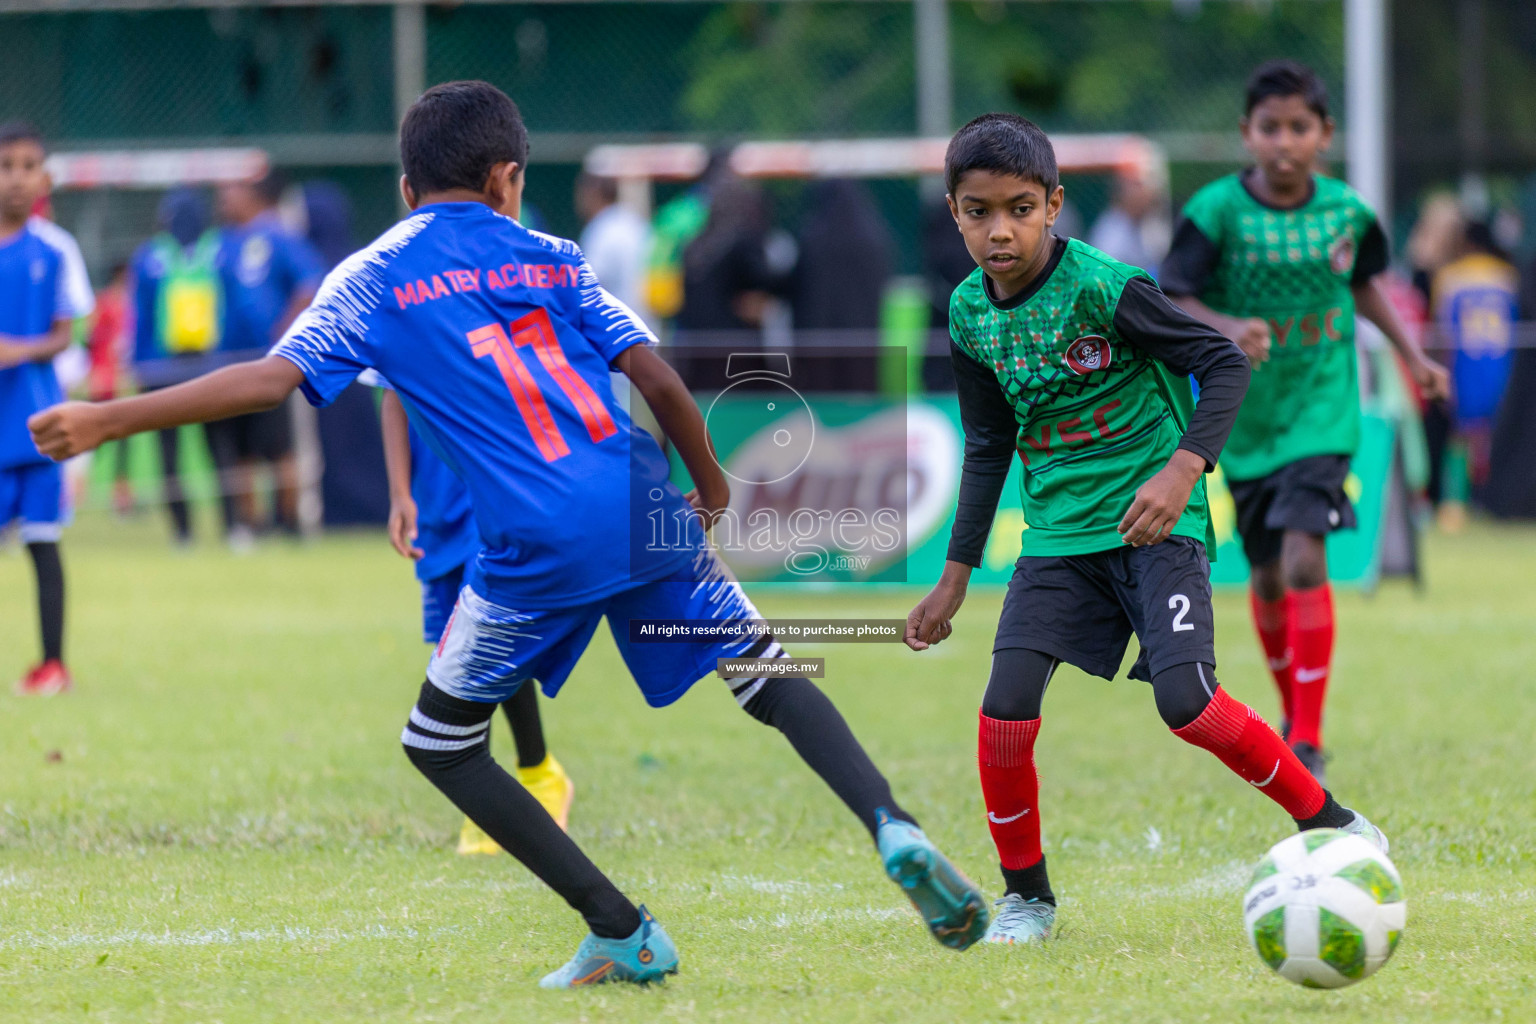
(264, 436)
(1084, 608)
(1306, 495)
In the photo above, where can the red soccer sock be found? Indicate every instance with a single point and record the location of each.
(1245, 743)
(1011, 788)
(1312, 645)
(1272, 619)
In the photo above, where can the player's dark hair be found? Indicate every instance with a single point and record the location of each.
(1286, 78)
(1004, 144)
(21, 131)
(456, 132)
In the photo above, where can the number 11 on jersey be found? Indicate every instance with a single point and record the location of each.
(535, 330)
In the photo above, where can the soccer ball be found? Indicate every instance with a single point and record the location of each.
(1325, 908)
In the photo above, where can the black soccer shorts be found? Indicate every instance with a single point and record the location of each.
(1084, 608)
(1305, 495)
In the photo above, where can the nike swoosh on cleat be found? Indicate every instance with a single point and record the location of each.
(595, 976)
(1261, 785)
(1003, 821)
(1310, 675)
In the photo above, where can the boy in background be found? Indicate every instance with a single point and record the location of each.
(42, 293)
(431, 523)
(1078, 365)
(270, 276)
(179, 320)
(1281, 259)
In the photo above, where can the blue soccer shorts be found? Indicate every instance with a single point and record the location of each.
(437, 600)
(34, 495)
(488, 651)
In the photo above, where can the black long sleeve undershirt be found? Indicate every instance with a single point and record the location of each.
(1145, 318)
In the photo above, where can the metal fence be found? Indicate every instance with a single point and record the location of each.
(316, 86)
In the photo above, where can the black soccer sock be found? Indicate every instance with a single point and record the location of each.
(445, 740)
(1030, 882)
(522, 711)
(813, 726)
(1331, 815)
(50, 597)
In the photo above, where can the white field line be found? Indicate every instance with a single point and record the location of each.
(217, 937)
(1226, 880)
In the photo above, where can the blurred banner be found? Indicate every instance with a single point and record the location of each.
(851, 479)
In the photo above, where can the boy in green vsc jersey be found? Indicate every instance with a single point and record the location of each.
(1281, 259)
(1079, 365)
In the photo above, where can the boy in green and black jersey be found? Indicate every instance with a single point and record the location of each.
(1080, 366)
(1281, 259)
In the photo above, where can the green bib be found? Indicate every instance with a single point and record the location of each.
(1097, 417)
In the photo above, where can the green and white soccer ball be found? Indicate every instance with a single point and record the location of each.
(1325, 908)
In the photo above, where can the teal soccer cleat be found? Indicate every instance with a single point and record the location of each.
(951, 906)
(1021, 921)
(646, 956)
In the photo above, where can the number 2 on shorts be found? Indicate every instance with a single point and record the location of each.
(1180, 602)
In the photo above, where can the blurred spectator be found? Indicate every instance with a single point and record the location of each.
(353, 484)
(946, 263)
(1511, 490)
(270, 276)
(1134, 228)
(178, 311)
(1434, 242)
(321, 213)
(615, 239)
(846, 255)
(728, 283)
(673, 227)
(105, 350)
(727, 280)
(1473, 301)
(104, 345)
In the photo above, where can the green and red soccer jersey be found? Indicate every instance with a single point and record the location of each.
(1294, 268)
(1085, 376)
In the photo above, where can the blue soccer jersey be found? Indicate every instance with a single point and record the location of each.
(445, 522)
(263, 266)
(38, 286)
(499, 341)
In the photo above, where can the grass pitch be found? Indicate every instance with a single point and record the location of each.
(219, 824)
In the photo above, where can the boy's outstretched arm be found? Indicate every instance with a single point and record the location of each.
(1372, 303)
(679, 418)
(991, 437)
(1150, 321)
(397, 466)
(74, 427)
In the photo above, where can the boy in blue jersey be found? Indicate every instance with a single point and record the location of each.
(499, 341)
(40, 298)
(431, 523)
(269, 275)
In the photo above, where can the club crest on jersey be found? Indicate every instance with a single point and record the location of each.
(1089, 353)
(1341, 254)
